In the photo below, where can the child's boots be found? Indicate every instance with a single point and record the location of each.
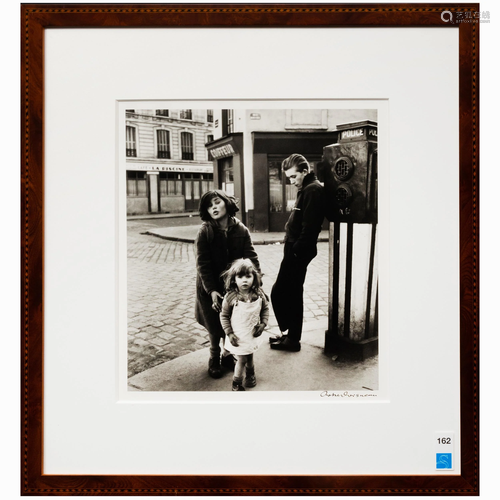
(250, 380)
(238, 384)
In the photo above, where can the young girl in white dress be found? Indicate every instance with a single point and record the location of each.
(244, 315)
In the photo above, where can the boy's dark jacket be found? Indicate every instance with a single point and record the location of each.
(215, 250)
(305, 221)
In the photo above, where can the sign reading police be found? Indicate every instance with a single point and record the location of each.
(348, 134)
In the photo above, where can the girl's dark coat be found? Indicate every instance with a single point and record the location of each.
(215, 251)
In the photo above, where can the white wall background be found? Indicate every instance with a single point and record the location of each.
(489, 244)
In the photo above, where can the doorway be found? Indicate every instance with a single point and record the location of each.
(282, 194)
(194, 186)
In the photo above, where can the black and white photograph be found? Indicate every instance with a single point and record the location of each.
(252, 256)
(280, 201)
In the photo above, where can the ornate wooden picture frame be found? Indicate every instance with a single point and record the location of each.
(35, 19)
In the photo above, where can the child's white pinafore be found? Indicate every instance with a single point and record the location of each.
(244, 318)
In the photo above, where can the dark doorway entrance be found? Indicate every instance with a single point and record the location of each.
(282, 194)
(194, 186)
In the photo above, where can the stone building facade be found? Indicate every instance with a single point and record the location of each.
(167, 160)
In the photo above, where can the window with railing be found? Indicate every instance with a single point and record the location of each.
(187, 146)
(137, 184)
(162, 112)
(227, 121)
(210, 138)
(186, 114)
(131, 141)
(163, 143)
(210, 115)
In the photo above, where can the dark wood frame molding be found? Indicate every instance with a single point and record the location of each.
(34, 19)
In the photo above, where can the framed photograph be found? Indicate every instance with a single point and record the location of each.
(172, 159)
(131, 115)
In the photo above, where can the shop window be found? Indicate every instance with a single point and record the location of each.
(187, 146)
(210, 115)
(137, 184)
(196, 184)
(131, 141)
(226, 174)
(186, 114)
(170, 184)
(290, 195)
(207, 183)
(196, 190)
(162, 112)
(163, 143)
(282, 194)
(276, 203)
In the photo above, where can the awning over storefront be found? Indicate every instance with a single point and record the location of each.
(225, 147)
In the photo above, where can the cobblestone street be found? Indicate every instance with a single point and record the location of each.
(161, 292)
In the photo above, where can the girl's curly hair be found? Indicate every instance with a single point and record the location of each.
(241, 267)
(230, 201)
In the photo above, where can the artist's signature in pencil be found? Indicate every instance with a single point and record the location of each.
(347, 394)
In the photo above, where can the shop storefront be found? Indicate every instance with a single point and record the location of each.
(273, 195)
(166, 189)
(227, 157)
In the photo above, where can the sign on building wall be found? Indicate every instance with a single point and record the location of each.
(222, 151)
(170, 168)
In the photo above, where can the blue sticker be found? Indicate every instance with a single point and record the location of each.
(443, 460)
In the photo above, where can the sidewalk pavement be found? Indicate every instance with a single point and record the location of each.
(311, 369)
(308, 370)
(161, 216)
(188, 235)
